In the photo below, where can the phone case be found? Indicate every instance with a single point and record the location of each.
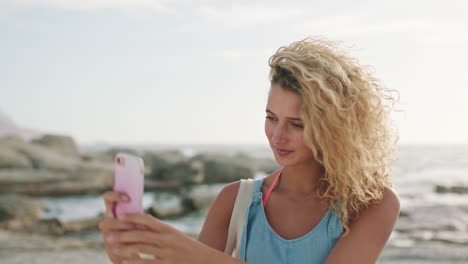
(129, 179)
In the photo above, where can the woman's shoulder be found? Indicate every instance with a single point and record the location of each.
(227, 196)
(230, 190)
(387, 208)
(228, 193)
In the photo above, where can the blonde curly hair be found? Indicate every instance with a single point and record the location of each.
(347, 122)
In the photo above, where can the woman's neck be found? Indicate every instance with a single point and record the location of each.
(300, 180)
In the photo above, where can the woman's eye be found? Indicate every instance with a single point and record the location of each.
(298, 125)
(269, 117)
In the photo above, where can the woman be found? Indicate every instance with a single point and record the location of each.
(327, 123)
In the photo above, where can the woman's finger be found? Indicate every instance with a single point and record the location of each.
(110, 198)
(147, 220)
(144, 251)
(115, 258)
(111, 225)
(145, 237)
(142, 261)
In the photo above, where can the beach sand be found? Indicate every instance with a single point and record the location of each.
(86, 247)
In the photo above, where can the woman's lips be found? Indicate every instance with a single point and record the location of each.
(283, 152)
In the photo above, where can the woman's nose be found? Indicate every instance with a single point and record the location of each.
(278, 134)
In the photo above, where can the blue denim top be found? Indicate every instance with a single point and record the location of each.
(260, 244)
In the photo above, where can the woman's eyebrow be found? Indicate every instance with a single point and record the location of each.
(290, 118)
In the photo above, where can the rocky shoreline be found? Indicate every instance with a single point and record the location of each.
(52, 166)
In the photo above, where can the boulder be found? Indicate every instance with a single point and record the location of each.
(12, 159)
(51, 226)
(33, 243)
(11, 139)
(103, 157)
(94, 172)
(19, 208)
(66, 188)
(39, 156)
(82, 224)
(154, 160)
(164, 185)
(168, 211)
(201, 196)
(9, 177)
(222, 169)
(451, 189)
(61, 144)
(86, 177)
(160, 163)
(22, 181)
(190, 172)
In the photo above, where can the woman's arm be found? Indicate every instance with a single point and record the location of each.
(368, 233)
(173, 246)
(215, 229)
(166, 243)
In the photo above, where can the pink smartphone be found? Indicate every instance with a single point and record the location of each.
(129, 179)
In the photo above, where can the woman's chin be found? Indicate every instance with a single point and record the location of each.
(283, 162)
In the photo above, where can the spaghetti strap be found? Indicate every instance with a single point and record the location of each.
(267, 195)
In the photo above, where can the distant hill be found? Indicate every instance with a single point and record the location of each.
(9, 127)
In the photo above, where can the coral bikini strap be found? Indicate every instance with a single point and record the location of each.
(267, 195)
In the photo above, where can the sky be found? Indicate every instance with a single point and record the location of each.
(177, 72)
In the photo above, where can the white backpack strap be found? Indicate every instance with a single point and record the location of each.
(236, 226)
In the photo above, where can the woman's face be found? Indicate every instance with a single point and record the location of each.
(284, 128)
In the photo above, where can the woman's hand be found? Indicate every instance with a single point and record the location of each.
(165, 243)
(110, 224)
